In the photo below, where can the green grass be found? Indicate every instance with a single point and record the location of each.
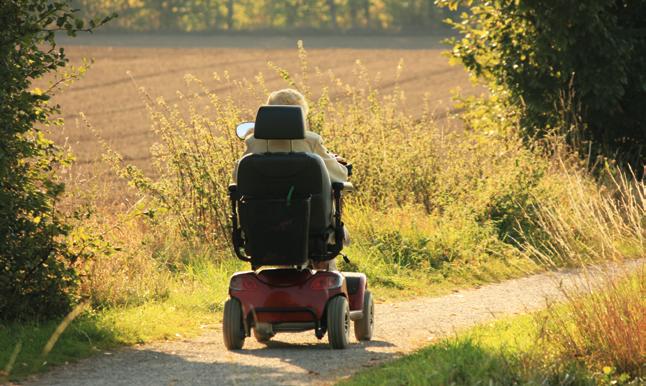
(96, 332)
(479, 356)
(406, 252)
(504, 352)
(195, 302)
(394, 283)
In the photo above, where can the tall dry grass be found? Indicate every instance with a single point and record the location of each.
(602, 324)
(587, 221)
(597, 224)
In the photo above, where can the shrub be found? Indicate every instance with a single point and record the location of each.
(38, 277)
(122, 267)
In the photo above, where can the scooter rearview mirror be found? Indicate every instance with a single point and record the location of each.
(243, 129)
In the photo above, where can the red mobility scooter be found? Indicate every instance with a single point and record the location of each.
(285, 215)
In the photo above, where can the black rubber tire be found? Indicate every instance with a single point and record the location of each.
(338, 322)
(232, 327)
(363, 327)
(262, 337)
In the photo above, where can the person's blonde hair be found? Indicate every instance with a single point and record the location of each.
(288, 96)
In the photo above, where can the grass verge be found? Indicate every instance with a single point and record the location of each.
(576, 343)
(194, 302)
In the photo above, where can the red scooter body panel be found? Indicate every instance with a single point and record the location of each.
(285, 295)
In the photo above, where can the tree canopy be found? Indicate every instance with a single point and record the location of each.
(585, 59)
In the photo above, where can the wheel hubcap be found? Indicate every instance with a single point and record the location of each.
(346, 323)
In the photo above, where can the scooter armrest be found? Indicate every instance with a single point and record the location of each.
(233, 191)
(343, 186)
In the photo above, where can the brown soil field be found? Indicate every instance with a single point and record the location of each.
(108, 94)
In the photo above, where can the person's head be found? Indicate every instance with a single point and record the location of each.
(288, 96)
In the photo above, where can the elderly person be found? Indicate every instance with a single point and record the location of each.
(312, 143)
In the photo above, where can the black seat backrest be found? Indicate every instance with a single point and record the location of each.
(273, 175)
(286, 198)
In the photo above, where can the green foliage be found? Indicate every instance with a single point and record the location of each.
(402, 252)
(37, 277)
(582, 57)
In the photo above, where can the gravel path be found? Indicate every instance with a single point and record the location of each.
(294, 359)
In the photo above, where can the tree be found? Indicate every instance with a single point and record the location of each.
(590, 54)
(38, 277)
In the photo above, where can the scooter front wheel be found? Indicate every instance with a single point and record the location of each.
(262, 337)
(232, 327)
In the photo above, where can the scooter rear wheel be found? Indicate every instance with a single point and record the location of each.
(363, 327)
(232, 327)
(338, 322)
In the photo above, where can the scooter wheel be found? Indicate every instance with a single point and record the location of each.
(338, 322)
(364, 326)
(232, 327)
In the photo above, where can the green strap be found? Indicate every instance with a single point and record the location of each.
(289, 195)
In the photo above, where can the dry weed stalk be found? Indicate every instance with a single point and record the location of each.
(603, 322)
(590, 222)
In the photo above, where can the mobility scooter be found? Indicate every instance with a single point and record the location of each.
(285, 215)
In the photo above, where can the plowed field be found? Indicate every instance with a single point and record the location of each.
(109, 96)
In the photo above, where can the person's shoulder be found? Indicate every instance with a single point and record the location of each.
(254, 144)
(311, 136)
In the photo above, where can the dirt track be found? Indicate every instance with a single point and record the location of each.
(299, 358)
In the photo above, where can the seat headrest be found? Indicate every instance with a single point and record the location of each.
(279, 122)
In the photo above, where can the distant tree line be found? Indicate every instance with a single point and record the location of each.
(237, 15)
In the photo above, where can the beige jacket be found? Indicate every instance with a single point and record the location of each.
(313, 143)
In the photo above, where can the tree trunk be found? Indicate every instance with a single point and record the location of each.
(230, 15)
(217, 16)
(332, 6)
(353, 13)
(366, 12)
